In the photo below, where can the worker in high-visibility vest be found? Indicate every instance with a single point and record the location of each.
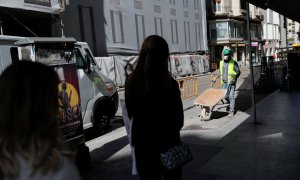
(229, 72)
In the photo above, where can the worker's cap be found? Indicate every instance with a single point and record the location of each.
(227, 52)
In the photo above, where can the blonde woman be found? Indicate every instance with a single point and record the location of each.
(31, 144)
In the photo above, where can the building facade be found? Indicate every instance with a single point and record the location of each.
(120, 26)
(227, 28)
(293, 29)
(274, 33)
(30, 17)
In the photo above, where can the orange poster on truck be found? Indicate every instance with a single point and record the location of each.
(69, 100)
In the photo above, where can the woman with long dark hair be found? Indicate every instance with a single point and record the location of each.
(31, 142)
(153, 100)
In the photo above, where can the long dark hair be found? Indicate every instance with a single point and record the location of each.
(29, 125)
(151, 72)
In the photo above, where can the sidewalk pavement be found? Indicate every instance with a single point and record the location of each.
(239, 149)
(223, 148)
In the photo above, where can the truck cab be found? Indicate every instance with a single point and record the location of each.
(99, 96)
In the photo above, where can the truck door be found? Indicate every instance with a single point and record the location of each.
(86, 85)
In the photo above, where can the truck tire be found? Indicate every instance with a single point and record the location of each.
(104, 110)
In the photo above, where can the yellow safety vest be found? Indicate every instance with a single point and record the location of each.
(231, 73)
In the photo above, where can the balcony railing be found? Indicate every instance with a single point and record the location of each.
(218, 9)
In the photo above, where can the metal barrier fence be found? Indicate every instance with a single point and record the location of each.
(188, 87)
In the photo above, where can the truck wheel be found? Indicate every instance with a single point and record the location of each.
(100, 120)
(103, 112)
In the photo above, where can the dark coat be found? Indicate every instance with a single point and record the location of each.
(157, 117)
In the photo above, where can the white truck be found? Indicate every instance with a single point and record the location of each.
(98, 94)
(89, 99)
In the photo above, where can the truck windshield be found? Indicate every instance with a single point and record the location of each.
(90, 56)
(54, 56)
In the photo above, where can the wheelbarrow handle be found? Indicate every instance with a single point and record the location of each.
(214, 79)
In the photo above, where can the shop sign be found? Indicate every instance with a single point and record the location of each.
(254, 44)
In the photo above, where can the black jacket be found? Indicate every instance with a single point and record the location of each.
(157, 118)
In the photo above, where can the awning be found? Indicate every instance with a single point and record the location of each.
(288, 8)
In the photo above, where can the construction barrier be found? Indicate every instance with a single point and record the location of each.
(188, 87)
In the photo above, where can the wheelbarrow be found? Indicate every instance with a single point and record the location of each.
(208, 100)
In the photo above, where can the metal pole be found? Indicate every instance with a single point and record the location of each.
(286, 54)
(251, 63)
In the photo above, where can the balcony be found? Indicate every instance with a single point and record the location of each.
(219, 10)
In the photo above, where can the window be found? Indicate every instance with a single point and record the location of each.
(173, 12)
(186, 14)
(232, 30)
(219, 30)
(89, 55)
(117, 26)
(140, 29)
(79, 59)
(185, 3)
(157, 8)
(172, 1)
(235, 30)
(117, 2)
(174, 31)
(217, 7)
(196, 4)
(243, 4)
(222, 30)
(187, 36)
(259, 32)
(87, 25)
(253, 31)
(138, 4)
(239, 30)
(158, 26)
(14, 54)
(197, 16)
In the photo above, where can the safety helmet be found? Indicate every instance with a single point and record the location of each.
(227, 52)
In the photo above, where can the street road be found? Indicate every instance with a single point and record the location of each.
(110, 153)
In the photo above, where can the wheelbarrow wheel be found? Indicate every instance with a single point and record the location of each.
(205, 113)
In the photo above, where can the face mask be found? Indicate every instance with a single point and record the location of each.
(225, 58)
